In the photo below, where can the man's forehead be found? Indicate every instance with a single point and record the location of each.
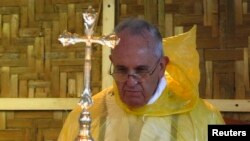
(127, 36)
(129, 32)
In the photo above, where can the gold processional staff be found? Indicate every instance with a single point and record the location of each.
(66, 38)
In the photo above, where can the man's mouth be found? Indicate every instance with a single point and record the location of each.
(132, 93)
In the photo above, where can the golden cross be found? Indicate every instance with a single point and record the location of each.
(90, 17)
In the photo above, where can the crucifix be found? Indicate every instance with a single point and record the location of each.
(90, 18)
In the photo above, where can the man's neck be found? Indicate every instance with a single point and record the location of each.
(161, 86)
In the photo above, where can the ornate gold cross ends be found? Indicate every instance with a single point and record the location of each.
(67, 38)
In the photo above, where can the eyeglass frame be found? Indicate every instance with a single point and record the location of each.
(137, 76)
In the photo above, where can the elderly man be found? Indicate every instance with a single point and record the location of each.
(154, 97)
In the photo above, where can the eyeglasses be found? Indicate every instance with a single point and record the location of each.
(121, 74)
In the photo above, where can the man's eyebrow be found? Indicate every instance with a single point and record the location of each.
(142, 67)
(137, 67)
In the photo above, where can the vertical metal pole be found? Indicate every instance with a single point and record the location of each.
(108, 27)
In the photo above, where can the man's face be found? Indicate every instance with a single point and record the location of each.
(132, 55)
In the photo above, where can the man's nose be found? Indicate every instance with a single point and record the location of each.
(131, 80)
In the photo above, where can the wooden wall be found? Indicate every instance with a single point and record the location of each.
(34, 64)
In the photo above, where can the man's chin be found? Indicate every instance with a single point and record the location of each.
(134, 104)
(133, 100)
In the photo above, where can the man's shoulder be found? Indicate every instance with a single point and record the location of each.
(98, 101)
(203, 105)
(207, 111)
(101, 94)
(207, 105)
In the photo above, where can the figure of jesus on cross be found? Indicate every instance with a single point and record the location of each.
(90, 18)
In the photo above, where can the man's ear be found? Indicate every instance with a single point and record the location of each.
(166, 60)
(164, 63)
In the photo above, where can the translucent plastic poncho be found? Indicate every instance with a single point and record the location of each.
(178, 115)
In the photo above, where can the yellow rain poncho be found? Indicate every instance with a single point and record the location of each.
(178, 115)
